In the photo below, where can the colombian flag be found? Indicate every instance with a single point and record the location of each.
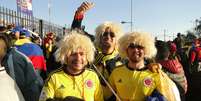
(33, 51)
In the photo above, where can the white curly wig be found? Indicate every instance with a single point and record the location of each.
(114, 27)
(138, 38)
(71, 42)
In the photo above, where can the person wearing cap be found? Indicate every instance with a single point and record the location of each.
(134, 81)
(107, 56)
(9, 89)
(19, 68)
(16, 31)
(74, 78)
(33, 52)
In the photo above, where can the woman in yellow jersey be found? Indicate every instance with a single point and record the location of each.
(134, 81)
(73, 79)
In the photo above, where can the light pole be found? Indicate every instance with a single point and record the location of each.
(131, 23)
(131, 17)
(164, 32)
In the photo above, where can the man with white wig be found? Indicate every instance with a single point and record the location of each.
(73, 79)
(134, 81)
(107, 56)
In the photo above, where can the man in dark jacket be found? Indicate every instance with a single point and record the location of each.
(20, 68)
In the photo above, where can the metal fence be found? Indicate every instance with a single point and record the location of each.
(40, 26)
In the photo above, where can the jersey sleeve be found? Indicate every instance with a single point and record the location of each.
(48, 89)
(167, 87)
(98, 96)
(112, 84)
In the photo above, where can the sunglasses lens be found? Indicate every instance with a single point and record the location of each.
(109, 33)
(135, 46)
(112, 34)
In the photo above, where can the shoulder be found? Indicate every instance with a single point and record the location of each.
(59, 70)
(90, 71)
(17, 55)
(54, 73)
(119, 68)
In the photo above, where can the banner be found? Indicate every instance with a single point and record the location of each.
(24, 6)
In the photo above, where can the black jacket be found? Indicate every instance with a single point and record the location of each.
(24, 74)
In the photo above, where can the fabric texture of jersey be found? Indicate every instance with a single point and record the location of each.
(60, 85)
(106, 64)
(134, 85)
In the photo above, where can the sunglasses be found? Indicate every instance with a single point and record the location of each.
(132, 45)
(111, 34)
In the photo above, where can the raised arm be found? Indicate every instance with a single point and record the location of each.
(79, 14)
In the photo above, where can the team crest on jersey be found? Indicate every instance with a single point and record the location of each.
(89, 83)
(148, 81)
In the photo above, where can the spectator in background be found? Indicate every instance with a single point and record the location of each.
(9, 89)
(49, 44)
(166, 56)
(16, 31)
(195, 71)
(179, 41)
(49, 47)
(33, 52)
(20, 68)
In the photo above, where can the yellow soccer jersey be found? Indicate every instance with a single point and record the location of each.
(84, 86)
(100, 63)
(133, 85)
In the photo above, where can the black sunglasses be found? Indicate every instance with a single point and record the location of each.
(109, 33)
(132, 45)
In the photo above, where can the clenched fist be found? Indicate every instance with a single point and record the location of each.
(85, 6)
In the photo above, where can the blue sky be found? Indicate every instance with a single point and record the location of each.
(153, 16)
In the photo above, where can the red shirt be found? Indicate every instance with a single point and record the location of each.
(194, 52)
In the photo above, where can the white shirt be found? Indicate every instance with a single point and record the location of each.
(9, 90)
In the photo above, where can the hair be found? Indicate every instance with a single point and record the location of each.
(139, 38)
(115, 28)
(71, 42)
(7, 40)
(3, 29)
(163, 50)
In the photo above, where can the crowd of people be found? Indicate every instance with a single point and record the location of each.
(110, 66)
